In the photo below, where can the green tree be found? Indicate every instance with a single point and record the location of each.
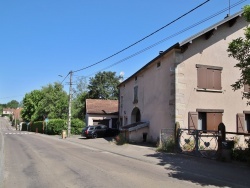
(79, 97)
(78, 106)
(104, 86)
(2, 106)
(12, 104)
(54, 102)
(239, 49)
(51, 101)
(30, 104)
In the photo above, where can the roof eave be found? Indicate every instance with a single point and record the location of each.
(177, 45)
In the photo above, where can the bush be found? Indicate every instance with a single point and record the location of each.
(55, 126)
(242, 155)
(120, 139)
(167, 145)
(76, 126)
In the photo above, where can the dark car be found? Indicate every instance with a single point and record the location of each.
(99, 131)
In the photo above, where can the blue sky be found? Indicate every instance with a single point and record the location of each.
(42, 39)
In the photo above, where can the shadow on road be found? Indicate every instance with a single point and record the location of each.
(202, 171)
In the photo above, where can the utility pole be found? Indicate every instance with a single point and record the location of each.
(70, 101)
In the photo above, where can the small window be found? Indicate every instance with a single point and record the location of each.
(136, 78)
(136, 94)
(158, 64)
(209, 77)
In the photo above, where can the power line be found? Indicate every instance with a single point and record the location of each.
(169, 37)
(143, 37)
(65, 77)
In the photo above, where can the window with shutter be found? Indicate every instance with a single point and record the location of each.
(247, 120)
(217, 79)
(240, 123)
(213, 121)
(202, 78)
(205, 119)
(192, 120)
(209, 77)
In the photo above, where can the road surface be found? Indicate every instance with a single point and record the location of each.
(30, 160)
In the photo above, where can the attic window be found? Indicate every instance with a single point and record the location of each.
(158, 64)
(136, 78)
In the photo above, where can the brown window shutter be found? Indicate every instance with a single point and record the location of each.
(202, 77)
(240, 123)
(217, 79)
(246, 88)
(192, 120)
(210, 79)
(213, 121)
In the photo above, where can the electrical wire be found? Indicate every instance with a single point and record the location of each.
(65, 77)
(143, 37)
(169, 37)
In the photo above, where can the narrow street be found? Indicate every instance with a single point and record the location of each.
(31, 160)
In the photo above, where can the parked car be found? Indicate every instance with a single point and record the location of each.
(99, 131)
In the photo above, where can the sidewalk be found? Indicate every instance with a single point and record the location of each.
(137, 152)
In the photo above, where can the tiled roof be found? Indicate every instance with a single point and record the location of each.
(100, 106)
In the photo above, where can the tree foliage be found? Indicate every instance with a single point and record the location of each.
(12, 104)
(239, 49)
(104, 86)
(30, 104)
(79, 96)
(51, 101)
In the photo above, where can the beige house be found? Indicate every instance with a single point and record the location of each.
(8, 111)
(99, 111)
(189, 83)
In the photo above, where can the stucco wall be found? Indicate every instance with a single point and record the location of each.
(210, 52)
(153, 96)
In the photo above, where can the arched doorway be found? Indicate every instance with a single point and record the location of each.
(136, 115)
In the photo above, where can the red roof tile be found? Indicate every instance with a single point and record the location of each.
(100, 106)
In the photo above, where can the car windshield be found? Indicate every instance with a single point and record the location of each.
(91, 128)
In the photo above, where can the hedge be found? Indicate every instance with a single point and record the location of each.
(55, 126)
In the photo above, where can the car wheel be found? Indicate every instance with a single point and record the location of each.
(94, 135)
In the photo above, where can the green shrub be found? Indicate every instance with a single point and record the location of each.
(120, 139)
(242, 155)
(167, 145)
(76, 126)
(55, 126)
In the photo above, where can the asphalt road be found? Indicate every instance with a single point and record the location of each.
(30, 160)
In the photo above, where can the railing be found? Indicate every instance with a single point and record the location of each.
(205, 143)
(198, 142)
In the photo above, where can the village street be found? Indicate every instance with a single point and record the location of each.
(37, 160)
